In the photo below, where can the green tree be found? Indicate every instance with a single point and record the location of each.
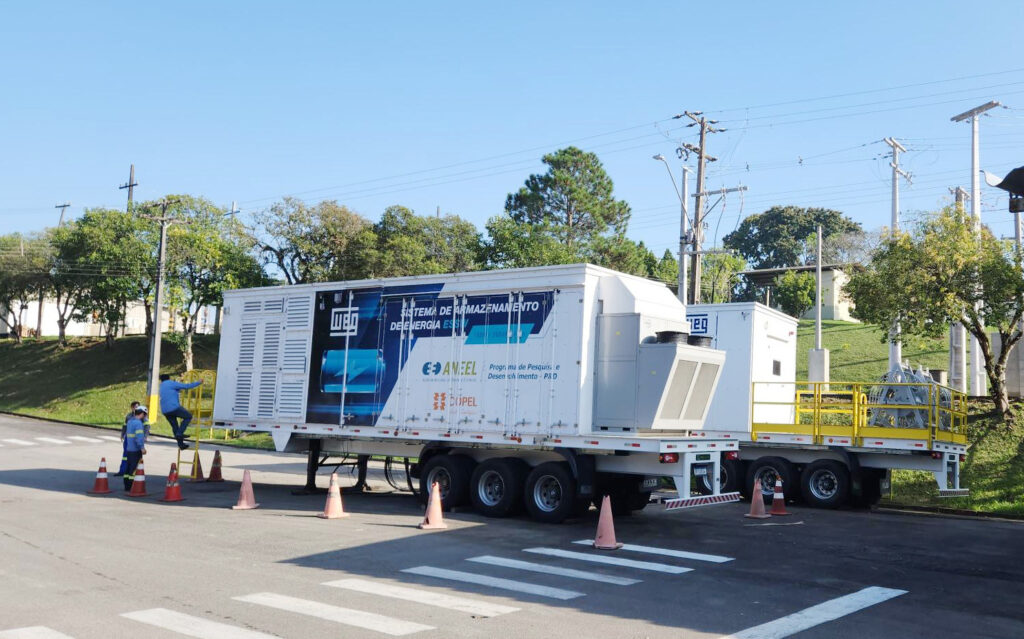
(795, 292)
(410, 244)
(624, 255)
(943, 272)
(667, 269)
(512, 244)
(778, 237)
(208, 252)
(312, 243)
(21, 277)
(67, 280)
(573, 201)
(719, 277)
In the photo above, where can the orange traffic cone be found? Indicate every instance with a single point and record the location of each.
(246, 500)
(605, 539)
(433, 520)
(100, 486)
(333, 508)
(778, 500)
(215, 469)
(173, 490)
(197, 468)
(757, 503)
(139, 484)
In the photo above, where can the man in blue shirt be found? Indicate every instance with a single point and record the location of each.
(172, 409)
(134, 444)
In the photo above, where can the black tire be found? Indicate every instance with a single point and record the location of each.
(767, 469)
(496, 487)
(638, 501)
(452, 472)
(870, 488)
(825, 484)
(550, 493)
(729, 472)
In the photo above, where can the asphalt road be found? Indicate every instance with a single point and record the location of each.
(92, 567)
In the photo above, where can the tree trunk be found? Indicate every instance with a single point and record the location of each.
(149, 317)
(188, 347)
(62, 324)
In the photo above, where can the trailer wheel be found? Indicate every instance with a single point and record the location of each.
(729, 472)
(825, 483)
(452, 473)
(768, 469)
(496, 486)
(550, 492)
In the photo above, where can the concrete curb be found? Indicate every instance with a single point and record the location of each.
(941, 511)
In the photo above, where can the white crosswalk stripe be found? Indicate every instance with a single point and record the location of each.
(110, 438)
(816, 615)
(20, 442)
(193, 626)
(667, 552)
(611, 561)
(347, 616)
(554, 570)
(495, 582)
(80, 438)
(33, 632)
(423, 596)
(52, 440)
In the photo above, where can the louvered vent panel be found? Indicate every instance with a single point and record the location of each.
(271, 345)
(252, 307)
(290, 402)
(294, 356)
(247, 346)
(273, 306)
(298, 313)
(267, 395)
(243, 395)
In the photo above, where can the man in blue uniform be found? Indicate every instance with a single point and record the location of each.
(134, 444)
(172, 409)
(124, 449)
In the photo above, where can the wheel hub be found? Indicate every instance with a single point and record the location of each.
(491, 488)
(547, 493)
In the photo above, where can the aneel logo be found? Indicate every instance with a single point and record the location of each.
(460, 369)
(344, 321)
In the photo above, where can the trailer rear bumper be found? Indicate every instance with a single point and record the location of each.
(679, 503)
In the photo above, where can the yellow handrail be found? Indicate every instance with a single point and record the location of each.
(855, 410)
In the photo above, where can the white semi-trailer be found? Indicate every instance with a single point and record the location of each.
(541, 387)
(830, 443)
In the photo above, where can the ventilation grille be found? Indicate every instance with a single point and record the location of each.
(294, 356)
(251, 307)
(298, 313)
(267, 396)
(290, 402)
(243, 395)
(247, 347)
(271, 345)
(273, 306)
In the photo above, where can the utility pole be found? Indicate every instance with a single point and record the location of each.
(62, 207)
(977, 366)
(683, 220)
(130, 185)
(153, 390)
(895, 342)
(957, 332)
(706, 126)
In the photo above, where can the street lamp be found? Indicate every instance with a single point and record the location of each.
(683, 222)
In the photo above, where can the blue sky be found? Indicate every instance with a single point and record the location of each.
(451, 105)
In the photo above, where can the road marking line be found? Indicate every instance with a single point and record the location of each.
(51, 440)
(193, 626)
(682, 554)
(91, 440)
(612, 561)
(110, 438)
(20, 442)
(441, 600)
(554, 570)
(337, 614)
(816, 615)
(33, 632)
(495, 582)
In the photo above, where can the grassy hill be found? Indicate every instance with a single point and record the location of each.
(857, 353)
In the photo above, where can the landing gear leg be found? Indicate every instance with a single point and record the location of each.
(312, 465)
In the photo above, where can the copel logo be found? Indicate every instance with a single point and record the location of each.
(698, 324)
(344, 321)
(444, 400)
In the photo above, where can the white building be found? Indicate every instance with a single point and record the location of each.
(834, 305)
(134, 323)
